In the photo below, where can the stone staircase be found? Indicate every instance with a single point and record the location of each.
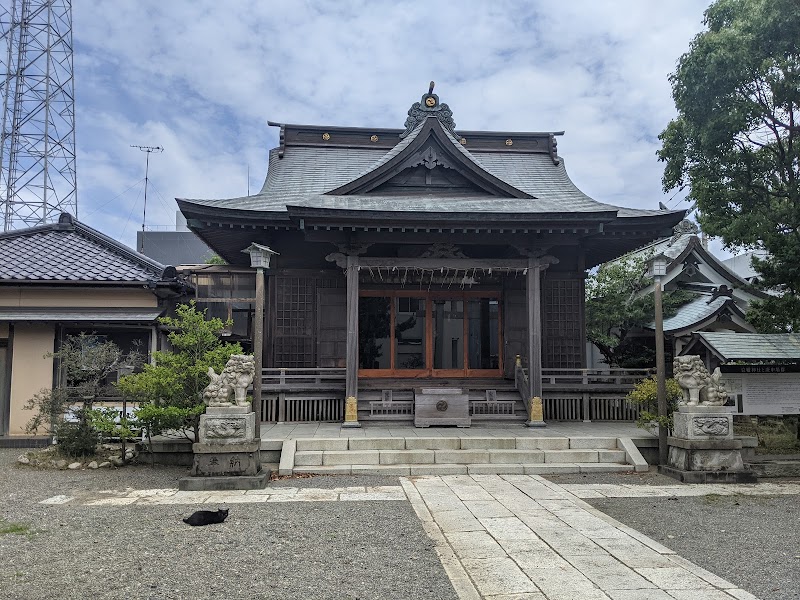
(459, 455)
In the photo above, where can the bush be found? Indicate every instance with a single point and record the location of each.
(645, 396)
(76, 439)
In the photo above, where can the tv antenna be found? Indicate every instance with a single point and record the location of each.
(148, 150)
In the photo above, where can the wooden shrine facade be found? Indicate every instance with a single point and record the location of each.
(425, 253)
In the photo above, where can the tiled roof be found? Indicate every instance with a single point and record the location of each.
(763, 346)
(693, 313)
(304, 175)
(80, 315)
(69, 251)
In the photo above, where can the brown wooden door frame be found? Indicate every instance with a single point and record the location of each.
(429, 371)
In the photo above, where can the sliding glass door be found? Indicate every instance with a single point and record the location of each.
(429, 334)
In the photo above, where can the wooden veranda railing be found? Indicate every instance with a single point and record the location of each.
(315, 395)
(584, 394)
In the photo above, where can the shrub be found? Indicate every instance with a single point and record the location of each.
(76, 439)
(645, 395)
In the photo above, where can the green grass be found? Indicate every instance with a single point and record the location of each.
(775, 435)
(7, 527)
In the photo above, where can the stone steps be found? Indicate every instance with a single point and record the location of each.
(458, 455)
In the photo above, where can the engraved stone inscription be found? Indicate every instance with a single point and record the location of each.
(710, 425)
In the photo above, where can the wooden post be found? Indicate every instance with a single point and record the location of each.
(661, 382)
(351, 379)
(534, 292)
(258, 348)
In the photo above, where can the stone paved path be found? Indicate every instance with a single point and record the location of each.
(514, 537)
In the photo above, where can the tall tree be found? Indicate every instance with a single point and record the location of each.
(735, 140)
(617, 306)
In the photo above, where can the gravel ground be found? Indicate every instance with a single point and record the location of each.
(752, 541)
(365, 550)
(650, 477)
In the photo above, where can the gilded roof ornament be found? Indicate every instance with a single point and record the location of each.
(429, 106)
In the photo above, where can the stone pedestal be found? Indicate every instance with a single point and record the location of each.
(228, 455)
(702, 448)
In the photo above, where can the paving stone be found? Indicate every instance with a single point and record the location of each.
(699, 595)
(543, 559)
(593, 443)
(607, 573)
(493, 576)
(673, 578)
(507, 528)
(526, 596)
(565, 584)
(633, 553)
(486, 509)
(456, 520)
(406, 457)
(539, 443)
(470, 491)
(741, 594)
(474, 544)
(653, 594)
(487, 443)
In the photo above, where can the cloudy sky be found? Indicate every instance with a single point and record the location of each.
(202, 78)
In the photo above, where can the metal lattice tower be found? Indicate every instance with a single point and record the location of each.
(37, 91)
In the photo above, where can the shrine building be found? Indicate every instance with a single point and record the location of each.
(428, 256)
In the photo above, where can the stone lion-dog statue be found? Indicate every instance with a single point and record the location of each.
(236, 377)
(698, 386)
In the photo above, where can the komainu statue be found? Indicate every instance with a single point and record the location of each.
(236, 377)
(699, 387)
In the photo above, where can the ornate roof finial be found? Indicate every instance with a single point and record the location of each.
(429, 106)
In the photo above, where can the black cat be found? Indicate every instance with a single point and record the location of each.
(206, 517)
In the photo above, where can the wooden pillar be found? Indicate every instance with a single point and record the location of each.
(661, 384)
(351, 377)
(258, 348)
(534, 297)
(534, 289)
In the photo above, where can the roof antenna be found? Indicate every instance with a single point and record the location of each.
(248, 180)
(148, 150)
(430, 89)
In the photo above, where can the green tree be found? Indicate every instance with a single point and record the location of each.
(734, 142)
(170, 390)
(616, 307)
(88, 365)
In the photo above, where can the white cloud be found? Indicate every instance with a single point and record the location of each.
(202, 78)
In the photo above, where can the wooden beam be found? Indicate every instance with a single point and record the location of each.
(453, 263)
(351, 376)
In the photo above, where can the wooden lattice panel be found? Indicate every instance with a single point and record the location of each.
(561, 323)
